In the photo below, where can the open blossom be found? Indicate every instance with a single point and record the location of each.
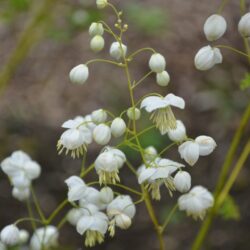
(10, 235)
(75, 138)
(121, 212)
(196, 202)
(45, 237)
(79, 74)
(207, 57)
(215, 27)
(157, 63)
(108, 163)
(156, 173)
(76, 188)
(117, 50)
(162, 114)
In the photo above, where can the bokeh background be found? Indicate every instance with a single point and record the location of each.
(46, 38)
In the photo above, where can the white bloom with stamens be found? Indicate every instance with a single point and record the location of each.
(96, 29)
(215, 27)
(118, 127)
(163, 78)
(207, 57)
(10, 235)
(157, 63)
(97, 43)
(196, 202)
(117, 50)
(79, 74)
(76, 188)
(102, 134)
(179, 133)
(244, 25)
(206, 144)
(162, 114)
(134, 113)
(189, 151)
(99, 116)
(182, 181)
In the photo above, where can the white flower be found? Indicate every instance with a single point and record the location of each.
(99, 116)
(118, 127)
(76, 188)
(150, 153)
(10, 235)
(97, 43)
(179, 133)
(106, 195)
(182, 181)
(207, 57)
(96, 29)
(46, 237)
(21, 194)
(162, 78)
(75, 138)
(215, 27)
(79, 74)
(20, 181)
(121, 212)
(206, 144)
(102, 134)
(196, 202)
(117, 51)
(189, 151)
(157, 63)
(156, 173)
(134, 113)
(162, 114)
(108, 163)
(74, 215)
(101, 4)
(89, 122)
(23, 236)
(244, 25)
(94, 225)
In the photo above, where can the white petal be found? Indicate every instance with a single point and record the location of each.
(175, 101)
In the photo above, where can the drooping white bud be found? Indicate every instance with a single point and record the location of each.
(182, 181)
(21, 194)
(134, 113)
(244, 25)
(76, 188)
(102, 134)
(101, 4)
(207, 57)
(74, 215)
(162, 78)
(97, 43)
(10, 235)
(106, 195)
(179, 133)
(99, 116)
(23, 236)
(79, 74)
(157, 63)
(118, 127)
(117, 51)
(150, 153)
(206, 144)
(189, 151)
(32, 169)
(215, 27)
(96, 29)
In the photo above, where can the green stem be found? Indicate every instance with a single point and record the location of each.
(31, 215)
(142, 79)
(233, 49)
(104, 61)
(28, 219)
(57, 210)
(169, 217)
(131, 56)
(222, 5)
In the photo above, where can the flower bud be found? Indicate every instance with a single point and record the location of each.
(101, 4)
(123, 221)
(79, 74)
(116, 50)
(96, 29)
(118, 127)
(99, 116)
(21, 194)
(206, 144)
(207, 57)
(97, 43)
(134, 113)
(74, 215)
(102, 134)
(10, 235)
(150, 153)
(244, 25)
(162, 78)
(179, 133)
(106, 195)
(32, 169)
(23, 236)
(189, 151)
(215, 27)
(182, 181)
(157, 63)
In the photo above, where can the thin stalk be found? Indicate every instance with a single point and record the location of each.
(169, 217)
(233, 49)
(57, 210)
(31, 215)
(142, 79)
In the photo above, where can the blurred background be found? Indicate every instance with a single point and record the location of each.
(41, 40)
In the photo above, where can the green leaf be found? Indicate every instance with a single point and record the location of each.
(245, 82)
(229, 209)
